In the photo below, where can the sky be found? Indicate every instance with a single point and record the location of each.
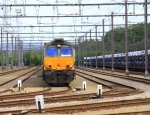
(46, 11)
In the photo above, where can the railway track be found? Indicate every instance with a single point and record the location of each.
(94, 106)
(36, 70)
(9, 83)
(55, 97)
(105, 82)
(132, 78)
(84, 106)
(117, 89)
(47, 99)
(46, 92)
(12, 71)
(90, 79)
(121, 71)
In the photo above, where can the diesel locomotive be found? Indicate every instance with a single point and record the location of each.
(58, 62)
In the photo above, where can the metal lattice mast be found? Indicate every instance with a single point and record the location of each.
(112, 37)
(18, 12)
(103, 45)
(145, 40)
(96, 45)
(12, 52)
(2, 64)
(126, 36)
(5, 23)
(7, 55)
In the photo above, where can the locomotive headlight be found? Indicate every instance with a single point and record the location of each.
(69, 66)
(58, 45)
(49, 66)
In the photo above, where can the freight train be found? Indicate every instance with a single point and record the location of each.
(136, 61)
(58, 62)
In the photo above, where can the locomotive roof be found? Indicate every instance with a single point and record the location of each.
(57, 42)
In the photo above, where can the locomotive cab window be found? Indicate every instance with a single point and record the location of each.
(51, 52)
(66, 52)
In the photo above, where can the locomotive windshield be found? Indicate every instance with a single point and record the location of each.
(66, 52)
(51, 52)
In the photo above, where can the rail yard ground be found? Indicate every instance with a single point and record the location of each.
(122, 94)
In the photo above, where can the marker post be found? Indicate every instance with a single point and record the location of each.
(19, 85)
(99, 91)
(84, 85)
(39, 103)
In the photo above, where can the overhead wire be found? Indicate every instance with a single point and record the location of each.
(83, 10)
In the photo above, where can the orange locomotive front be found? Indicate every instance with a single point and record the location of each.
(58, 63)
